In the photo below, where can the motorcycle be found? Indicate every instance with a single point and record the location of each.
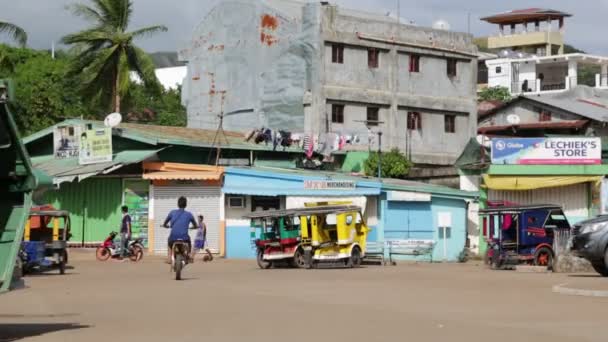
(112, 249)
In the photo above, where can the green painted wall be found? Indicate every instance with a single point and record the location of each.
(94, 206)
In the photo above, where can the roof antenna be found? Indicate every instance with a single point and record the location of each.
(220, 130)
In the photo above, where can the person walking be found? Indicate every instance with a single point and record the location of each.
(125, 231)
(201, 238)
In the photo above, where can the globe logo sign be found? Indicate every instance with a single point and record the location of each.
(500, 145)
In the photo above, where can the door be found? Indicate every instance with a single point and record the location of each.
(408, 220)
(203, 200)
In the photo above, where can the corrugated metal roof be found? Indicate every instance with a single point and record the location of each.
(525, 14)
(67, 170)
(166, 135)
(536, 125)
(585, 101)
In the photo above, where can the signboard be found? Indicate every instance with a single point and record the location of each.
(406, 196)
(547, 151)
(329, 185)
(444, 219)
(95, 146)
(66, 141)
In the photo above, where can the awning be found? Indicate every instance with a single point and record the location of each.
(258, 191)
(69, 170)
(534, 182)
(175, 171)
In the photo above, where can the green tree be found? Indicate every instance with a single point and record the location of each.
(106, 51)
(44, 95)
(17, 33)
(394, 165)
(166, 108)
(495, 94)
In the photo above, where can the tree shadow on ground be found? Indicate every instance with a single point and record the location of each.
(17, 331)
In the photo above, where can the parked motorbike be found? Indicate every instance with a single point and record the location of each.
(112, 249)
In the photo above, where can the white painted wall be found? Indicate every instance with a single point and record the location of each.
(499, 73)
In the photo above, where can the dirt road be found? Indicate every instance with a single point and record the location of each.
(236, 301)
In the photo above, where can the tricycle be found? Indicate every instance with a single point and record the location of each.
(521, 234)
(45, 240)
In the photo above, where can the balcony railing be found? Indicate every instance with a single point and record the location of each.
(538, 86)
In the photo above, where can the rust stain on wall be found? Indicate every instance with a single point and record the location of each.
(269, 25)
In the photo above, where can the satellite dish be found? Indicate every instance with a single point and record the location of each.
(513, 119)
(113, 120)
(441, 25)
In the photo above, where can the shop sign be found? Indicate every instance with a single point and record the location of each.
(329, 185)
(547, 151)
(407, 196)
(66, 141)
(95, 146)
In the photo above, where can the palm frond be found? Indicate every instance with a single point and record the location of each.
(87, 37)
(86, 12)
(141, 63)
(17, 33)
(148, 31)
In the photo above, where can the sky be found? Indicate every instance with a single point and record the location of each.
(48, 20)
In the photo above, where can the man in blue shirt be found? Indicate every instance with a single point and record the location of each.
(180, 221)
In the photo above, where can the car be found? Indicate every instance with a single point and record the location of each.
(590, 241)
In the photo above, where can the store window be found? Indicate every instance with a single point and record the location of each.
(265, 203)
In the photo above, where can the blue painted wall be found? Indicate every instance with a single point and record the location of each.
(238, 243)
(457, 238)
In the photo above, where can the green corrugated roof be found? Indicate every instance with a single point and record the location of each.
(167, 135)
(68, 169)
(355, 162)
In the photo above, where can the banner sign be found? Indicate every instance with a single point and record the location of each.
(66, 141)
(547, 151)
(329, 185)
(96, 146)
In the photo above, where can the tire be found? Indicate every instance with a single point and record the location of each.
(61, 258)
(18, 270)
(261, 262)
(299, 259)
(179, 263)
(543, 257)
(355, 259)
(136, 253)
(103, 254)
(600, 268)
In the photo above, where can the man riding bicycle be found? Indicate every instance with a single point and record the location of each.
(180, 220)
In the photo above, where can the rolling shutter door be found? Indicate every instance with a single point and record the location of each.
(201, 200)
(573, 198)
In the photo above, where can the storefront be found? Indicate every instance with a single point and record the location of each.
(200, 184)
(252, 189)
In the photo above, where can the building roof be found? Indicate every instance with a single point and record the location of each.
(166, 135)
(585, 101)
(68, 170)
(577, 124)
(486, 107)
(525, 15)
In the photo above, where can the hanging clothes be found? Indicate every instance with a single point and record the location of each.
(309, 146)
(342, 142)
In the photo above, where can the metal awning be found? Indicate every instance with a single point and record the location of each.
(176, 171)
(69, 170)
(258, 191)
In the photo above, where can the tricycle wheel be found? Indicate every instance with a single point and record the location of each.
(61, 262)
(543, 257)
(299, 260)
(102, 253)
(263, 264)
(355, 258)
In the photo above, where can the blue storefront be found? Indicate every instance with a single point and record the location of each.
(253, 189)
(418, 211)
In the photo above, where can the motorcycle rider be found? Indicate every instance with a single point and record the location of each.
(125, 231)
(180, 220)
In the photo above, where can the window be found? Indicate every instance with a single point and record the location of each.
(414, 121)
(372, 116)
(449, 123)
(337, 113)
(414, 63)
(498, 70)
(337, 53)
(236, 202)
(265, 203)
(451, 70)
(373, 56)
(544, 116)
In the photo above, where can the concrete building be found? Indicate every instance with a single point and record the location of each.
(317, 68)
(530, 30)
(549, 74)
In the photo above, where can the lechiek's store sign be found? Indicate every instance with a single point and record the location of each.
(547, 151)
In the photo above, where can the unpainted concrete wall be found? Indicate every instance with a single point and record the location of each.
(528, 113)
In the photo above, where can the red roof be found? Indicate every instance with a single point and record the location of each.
(523, 15)
(485, 107)
(536, 125)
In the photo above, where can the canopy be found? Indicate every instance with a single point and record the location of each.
(534, 182)
(175, 171)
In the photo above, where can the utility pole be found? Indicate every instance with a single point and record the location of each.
(369, 124)
(398, 11)
(379, 155)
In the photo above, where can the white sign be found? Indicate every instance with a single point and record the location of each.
(406, 196)
(66, 141)
(95, 146)
(444, 219)
(329, 185)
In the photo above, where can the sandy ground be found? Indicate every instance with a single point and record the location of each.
(236, 301)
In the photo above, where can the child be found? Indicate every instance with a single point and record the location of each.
(201, 238)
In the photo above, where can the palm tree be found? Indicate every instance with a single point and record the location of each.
(18, 34)
(106, 52)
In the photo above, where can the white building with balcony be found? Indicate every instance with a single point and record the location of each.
(533, 74)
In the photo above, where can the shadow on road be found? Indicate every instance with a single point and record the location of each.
(14, 332)
(585, 276)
